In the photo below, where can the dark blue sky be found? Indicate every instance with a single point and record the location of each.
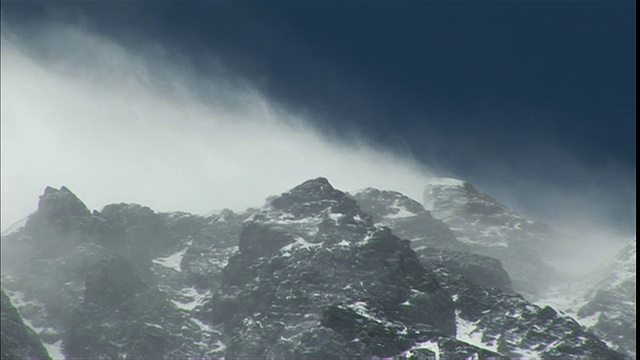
(511, 95)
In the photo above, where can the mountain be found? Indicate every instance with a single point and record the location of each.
(438, 248)
(314, 278)
(431, 238)
(604, 302)
(122, 282)
(611, 302)
(311, 274)
(18, 341)
(490, 228)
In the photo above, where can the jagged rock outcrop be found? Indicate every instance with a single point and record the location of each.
(484, 282)
(211, 246)
(44, 263)
(477, 269)
(122, 317)
(17, 340)
(309, 275)
(314, 278)
(67, 284)
(408, 219)
(510, 325)
(61, 222)
(431, 238)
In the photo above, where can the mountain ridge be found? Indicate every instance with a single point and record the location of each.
(211, 274)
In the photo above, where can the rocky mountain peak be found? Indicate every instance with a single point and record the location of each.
(61, 202)
(408, 219)
(313, 190)
(309, 275)
(388, 204)
(310, 214)
(455, 196)
(313, 271)
(490, 228)
(310, 191)
(313, 198)
(62, 220)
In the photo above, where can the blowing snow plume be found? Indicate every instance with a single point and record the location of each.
(142, 125)
(316, 266)
(83, 111)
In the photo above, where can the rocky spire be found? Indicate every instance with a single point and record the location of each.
(56, 202)
(59, 211)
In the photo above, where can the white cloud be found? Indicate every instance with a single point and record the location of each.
(117, 126)
(81, 111)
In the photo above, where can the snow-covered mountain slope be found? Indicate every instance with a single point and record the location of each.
(309, 275)
(508, 324)
(492, 229)
(604, 302)
(391, 208)
(314, 277)
(408, 219)
(431, 238)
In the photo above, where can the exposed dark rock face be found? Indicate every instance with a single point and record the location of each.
(478, 269)
(111, 282)
(122, 317)
(481, 287)
(408, 219)
(431, 238)
(81, 270)
(47, 260)
(603, 302)
(17, 340)
(61, 222)
(514, 327)
(58, 206)
(314, 278)
(208, 243)
(311, 275)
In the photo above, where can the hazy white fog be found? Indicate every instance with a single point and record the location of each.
(120, 127)
(115, 126)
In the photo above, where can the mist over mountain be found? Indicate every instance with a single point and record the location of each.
(480, 92)
(460, 175)
(315, 272)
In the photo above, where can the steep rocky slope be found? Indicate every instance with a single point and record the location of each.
(485, 284)
(431, 238)
(488, 227)
(18, 341)
(311, 274)
(314, 278)
(131, 256)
